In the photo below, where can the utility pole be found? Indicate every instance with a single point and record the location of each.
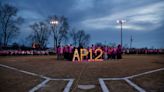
(131, 40)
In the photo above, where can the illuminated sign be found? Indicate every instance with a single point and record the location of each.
(88, 55)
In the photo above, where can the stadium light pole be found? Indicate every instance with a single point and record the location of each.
(121, 23)
(54, 23)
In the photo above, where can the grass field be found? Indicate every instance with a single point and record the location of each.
(13, 79)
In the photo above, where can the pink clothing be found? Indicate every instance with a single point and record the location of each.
(70, 49)
(110, 50)
(65, 49)
(115, 49)
(60, 50)
(105, 49)
(93, 48)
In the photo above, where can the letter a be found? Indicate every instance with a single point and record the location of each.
(76, 55)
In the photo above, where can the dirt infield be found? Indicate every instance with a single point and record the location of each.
(85, 73)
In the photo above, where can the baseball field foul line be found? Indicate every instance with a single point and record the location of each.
(139, 89)
(148, 72)
(67, 88)
(103, 86)
(43, 83)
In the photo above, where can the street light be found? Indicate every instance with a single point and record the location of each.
(121, 22)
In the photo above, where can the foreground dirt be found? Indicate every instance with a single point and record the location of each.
(153, 82)
(12, 81)
(85, 72)
(119, 86)
(54, 86)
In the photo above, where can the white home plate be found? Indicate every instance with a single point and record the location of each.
(85, 87)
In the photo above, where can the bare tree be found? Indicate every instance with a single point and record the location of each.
(74, 36)
(80, 38)
(9, 23)
(59, 30)
(40, 34)
(83, 38)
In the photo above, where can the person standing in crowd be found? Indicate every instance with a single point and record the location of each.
(60, 52)
(109, 52)
(119, 52)
(114, 53)
(70, 52)
(93, 50)
(105, 52)
(67, 52)
(64, 52)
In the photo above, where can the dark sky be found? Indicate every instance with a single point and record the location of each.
(144, 18)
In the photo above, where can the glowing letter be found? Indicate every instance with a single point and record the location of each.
(90, 55)
(83, 52)
(76, 55)
(98, 58)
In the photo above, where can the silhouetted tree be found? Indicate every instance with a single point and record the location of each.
(9, 23)
(15, 45)
(80, 38)
(74, 36)
(59, 30)
(83, 38)
(40, 34)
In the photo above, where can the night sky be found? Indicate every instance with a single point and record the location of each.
(144, 18)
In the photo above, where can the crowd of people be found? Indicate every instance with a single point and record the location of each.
(22, 52)
(67, 51)
(143, 51)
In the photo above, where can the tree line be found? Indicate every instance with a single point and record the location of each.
(55, 26)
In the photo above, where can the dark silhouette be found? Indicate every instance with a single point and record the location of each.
(79, 37)
(40, 34)
(9, 23)
(60, 30)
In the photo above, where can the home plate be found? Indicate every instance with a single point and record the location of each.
(86, 87)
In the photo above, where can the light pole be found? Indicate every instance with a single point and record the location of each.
(131, 40)
(54, 23)
(121, 22)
